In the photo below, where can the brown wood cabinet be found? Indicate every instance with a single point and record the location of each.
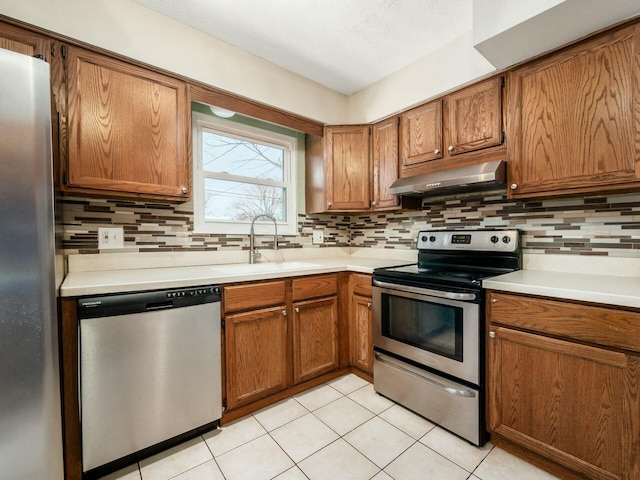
(384, 157)
(573, 118)
(466, 121)
(360, 325)
(573, 403)
(315, 326)
(128, 130)
(25, 42)
(315, 338)
(255, 341)
(337, 170)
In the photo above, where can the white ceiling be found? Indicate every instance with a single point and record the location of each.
(345, 45)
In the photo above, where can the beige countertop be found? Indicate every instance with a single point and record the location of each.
(103, 281)
(621, 291)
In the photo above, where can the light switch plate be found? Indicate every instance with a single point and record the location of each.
(318, 237)
(112, 237)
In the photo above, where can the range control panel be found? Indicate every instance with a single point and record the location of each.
(472, 240)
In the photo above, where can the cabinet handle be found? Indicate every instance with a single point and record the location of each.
(297, 310)
(451, 148)
(184, 190)
(436, 152)
(284, 313)
(492, 334)
(514, 186)
(369, 304)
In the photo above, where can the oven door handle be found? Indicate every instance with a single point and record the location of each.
(453, 391)
(425, 291)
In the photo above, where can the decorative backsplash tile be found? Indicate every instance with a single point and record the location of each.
(607, 225)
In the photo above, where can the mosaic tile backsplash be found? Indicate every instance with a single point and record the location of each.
(603, 225)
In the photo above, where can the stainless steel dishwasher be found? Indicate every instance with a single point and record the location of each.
(150, 369)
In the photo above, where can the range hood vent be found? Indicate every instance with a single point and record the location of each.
(471, 178)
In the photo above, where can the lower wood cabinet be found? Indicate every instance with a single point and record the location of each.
(360, 323)
(315, 338)
(575, 404)
(256, 355)
(361, 334)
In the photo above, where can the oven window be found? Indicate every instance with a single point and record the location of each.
(430, 326)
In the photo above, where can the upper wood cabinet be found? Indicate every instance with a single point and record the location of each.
(337, 170)
(421, 134)
(25, 42)
(465, 121)
(385, 163)
(574, 118)
(575, 404)
(127, 128)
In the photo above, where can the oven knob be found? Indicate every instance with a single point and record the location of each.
(432, 238)
(506, 239)
(424, 238)
(494, 239)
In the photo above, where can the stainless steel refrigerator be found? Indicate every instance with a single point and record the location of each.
(30, 413)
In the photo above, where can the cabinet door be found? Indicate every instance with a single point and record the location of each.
(573, 117)
(347, 167)
(421, 135)
(315, 338)
(574, 404)
(474, 117)
(22, 41)
(256, 355)
(385, 163)
(127, 129)
(361, 334)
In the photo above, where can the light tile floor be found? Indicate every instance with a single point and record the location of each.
(339, 430)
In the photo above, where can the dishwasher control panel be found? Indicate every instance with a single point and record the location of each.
(137, 302)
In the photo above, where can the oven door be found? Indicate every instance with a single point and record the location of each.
(424, 326)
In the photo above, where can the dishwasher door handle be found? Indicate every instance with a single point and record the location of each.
(159, 306)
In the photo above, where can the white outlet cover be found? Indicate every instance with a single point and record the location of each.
(318, 237)
(112, 237)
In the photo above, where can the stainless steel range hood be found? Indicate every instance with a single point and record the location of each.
(471, 178)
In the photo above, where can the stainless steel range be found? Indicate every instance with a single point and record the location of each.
(428, 326)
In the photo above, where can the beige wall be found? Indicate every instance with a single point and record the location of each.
(125, 27)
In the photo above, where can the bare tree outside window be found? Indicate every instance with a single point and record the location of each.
(250, 180)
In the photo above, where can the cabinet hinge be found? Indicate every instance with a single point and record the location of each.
(398, 120)
(502, 81)
(224, 403)
(53, 49)
(222, 323)
(369, 131)
(63, 51)
(503, 137)
(64, 178)
(39, 56)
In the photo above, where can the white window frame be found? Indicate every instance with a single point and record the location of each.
(201, 122)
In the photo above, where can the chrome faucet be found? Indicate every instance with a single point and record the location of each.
(253, 251)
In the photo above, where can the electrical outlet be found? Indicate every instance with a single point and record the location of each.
(318, 237)
(112, 237)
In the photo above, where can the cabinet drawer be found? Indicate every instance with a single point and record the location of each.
(253, 295)
(361, 284)
(314, 287)
(599, 325)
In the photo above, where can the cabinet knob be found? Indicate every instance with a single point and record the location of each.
(284, 313)
(184, 190)
(297, 310)
(369, 304)
(494, 300)
(451, 148)
(436, 152)
(514, 186)
(374, 203)
(492, 334)
(329, 204)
